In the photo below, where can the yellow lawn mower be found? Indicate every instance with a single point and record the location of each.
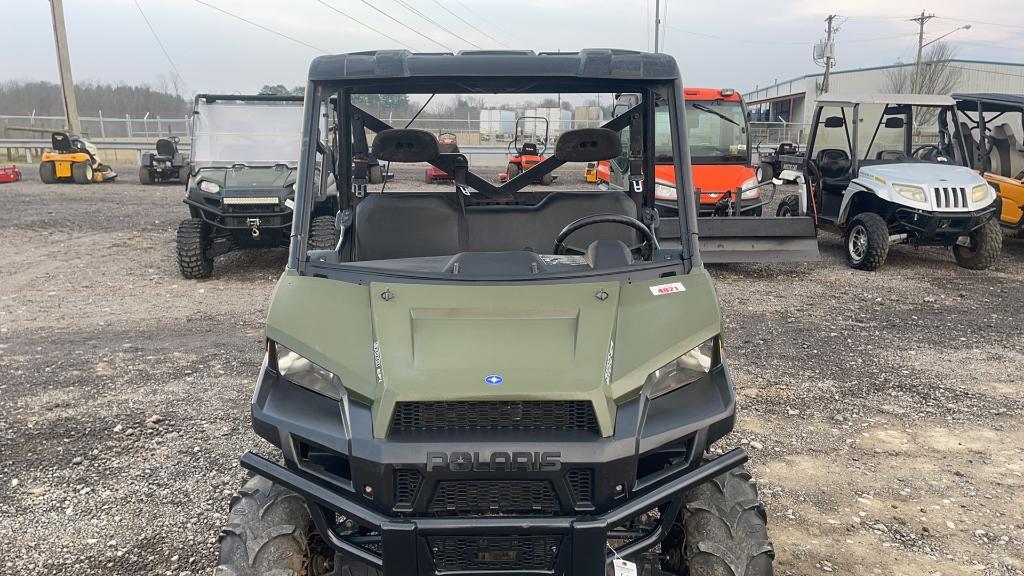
(73, 160)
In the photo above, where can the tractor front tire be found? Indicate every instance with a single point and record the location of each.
(789, 206)
(48, 172)
(512, 170)
(722, 530)
(547, 179)
(193, 239)
(82, 172)
(322, 233)
(866, 241)
(983, 247)
(765, 172)
(145, 176)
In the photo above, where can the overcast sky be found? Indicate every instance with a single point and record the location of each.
(739, 43)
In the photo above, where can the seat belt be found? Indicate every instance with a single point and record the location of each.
(636, 160)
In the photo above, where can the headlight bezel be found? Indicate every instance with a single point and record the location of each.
(911, 192)
(984, 188)
(687, 368)
(750, 190)
(299, 370)
(209, 186)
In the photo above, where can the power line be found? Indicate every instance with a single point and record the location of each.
(365, 25)
(982, 22)
(435, 23)
(783, 42)
(477, 14)
(261, 27)
(161, 44)
(467, 23)
(968, 68)
(402, 24)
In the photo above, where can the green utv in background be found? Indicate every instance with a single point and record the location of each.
(494, 379)
(240, 185)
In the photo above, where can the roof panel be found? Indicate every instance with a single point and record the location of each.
(911, 99)
(591, 63)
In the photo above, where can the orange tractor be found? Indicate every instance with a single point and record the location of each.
(526, 155)
(73, 160)
(447, 143)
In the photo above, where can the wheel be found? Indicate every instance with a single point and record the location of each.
(374, 175)
(145, 176)
(193, 239)
(269, 531)
(722, 530)
(547, 179)
(866, 241)
(512, 170)
(322, 233)
(82, 172)
(982, 248)
(765, 172)
(789, 206)
(183, 173)
(48, 172)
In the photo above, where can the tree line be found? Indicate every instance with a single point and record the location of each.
(21, 98)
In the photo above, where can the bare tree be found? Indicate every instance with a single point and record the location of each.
(938, 75)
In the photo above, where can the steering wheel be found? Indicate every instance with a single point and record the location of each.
(931, 152)
(650, 240)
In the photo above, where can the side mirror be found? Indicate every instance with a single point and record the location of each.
(894, 122)
(834, 122)
(405, 145)
(588, 145)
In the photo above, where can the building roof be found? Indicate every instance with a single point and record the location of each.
(496, 64)
(884, 67)
(911, 99)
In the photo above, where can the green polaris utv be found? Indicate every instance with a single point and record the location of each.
(494, 379)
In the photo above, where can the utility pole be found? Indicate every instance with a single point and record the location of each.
(921, 20)
(657, 23)
(67, 85)
(827, 51)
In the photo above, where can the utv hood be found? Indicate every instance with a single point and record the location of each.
(250, 177)
(592, 341)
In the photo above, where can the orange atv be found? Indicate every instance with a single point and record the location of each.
(524, 156)
(73, 160)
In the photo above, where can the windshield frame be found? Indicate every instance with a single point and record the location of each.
(211, 101)
(320, 96)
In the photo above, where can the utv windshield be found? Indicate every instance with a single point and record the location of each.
(511, 201)
(253, 133)
(716, 132)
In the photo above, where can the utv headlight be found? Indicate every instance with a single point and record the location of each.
(664, 192)
(209, 187)
(301, 371)
(749, 190)
(979, 193)
(685, 369)
(915, 193)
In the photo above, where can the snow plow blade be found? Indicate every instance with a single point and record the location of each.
(757, 239)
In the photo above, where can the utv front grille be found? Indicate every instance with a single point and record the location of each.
(487, 497)
(581, 484)
(559, 416)
(947, 198)
(407, 485)
(471, 553)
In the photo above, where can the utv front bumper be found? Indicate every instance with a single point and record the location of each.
(230, 209)
(492, 546)
(493, 501)
(943, 227)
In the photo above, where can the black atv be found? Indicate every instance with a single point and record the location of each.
(168, 164)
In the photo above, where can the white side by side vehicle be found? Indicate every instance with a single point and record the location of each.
(890, 169)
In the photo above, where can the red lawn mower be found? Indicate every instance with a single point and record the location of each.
(447, 143)
(524, 156)
(9, 174)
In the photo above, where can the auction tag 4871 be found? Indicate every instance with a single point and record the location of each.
(624, 567)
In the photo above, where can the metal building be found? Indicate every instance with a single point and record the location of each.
(792, 102)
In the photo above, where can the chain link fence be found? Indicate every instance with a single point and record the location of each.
(126, 126)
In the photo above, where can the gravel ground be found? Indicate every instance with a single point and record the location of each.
(881, 410)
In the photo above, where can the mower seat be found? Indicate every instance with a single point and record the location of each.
(528, 149)
(834, 165)
(166, 147)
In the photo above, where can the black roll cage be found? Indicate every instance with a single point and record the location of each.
(337, 96)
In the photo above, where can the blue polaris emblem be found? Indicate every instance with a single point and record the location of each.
(494, 379)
